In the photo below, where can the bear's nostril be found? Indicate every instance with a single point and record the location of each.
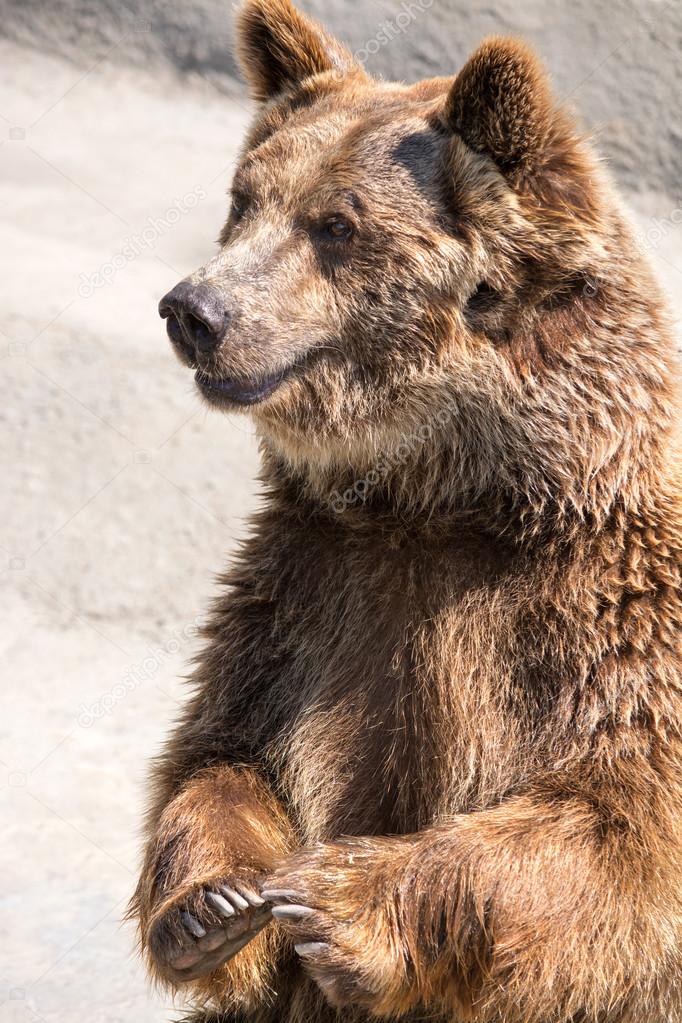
(203, 336)
(173, 329)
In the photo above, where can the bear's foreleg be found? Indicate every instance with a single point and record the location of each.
(562, 903)
(197, 901)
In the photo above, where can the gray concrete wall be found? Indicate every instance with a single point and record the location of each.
(618, 61)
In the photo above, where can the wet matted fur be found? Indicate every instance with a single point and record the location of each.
(439, 700)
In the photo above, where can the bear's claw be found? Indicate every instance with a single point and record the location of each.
(220, 903)
(191, 944)
(192, 924)
(290, 912)
(308, 949)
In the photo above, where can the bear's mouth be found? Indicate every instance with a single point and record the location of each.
(228, 391)
(240, 391)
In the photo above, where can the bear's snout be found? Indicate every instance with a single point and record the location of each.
(197, 318)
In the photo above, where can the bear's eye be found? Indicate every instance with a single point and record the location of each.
(338, 229)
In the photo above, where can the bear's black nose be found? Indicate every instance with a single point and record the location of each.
(197, 317)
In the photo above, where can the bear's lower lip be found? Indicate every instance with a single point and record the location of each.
(241, 392)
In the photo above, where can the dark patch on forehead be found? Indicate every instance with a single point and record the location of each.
(419, 153)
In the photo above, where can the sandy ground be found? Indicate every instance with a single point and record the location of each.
(121, 499)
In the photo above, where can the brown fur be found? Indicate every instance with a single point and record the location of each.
(442, 706)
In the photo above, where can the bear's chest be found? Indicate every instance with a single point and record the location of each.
(397, 700)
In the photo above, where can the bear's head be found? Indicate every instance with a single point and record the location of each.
(442, 263)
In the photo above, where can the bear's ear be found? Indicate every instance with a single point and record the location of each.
(501, 104)
(279, 47)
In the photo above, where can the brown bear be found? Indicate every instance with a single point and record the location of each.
(432, 766)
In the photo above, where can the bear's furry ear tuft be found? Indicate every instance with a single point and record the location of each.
(279, 47)
(501, 104)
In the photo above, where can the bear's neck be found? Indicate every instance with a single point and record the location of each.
(557, 479)
(430, 490)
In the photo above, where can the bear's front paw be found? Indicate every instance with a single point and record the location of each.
(330, 900)
(201, 931)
